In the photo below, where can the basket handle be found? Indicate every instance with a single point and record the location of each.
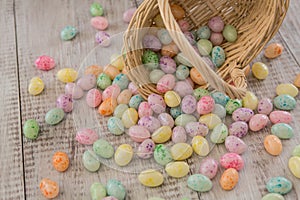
(207, 73)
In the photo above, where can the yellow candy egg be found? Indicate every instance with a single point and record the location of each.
(67, 75)
(117, 61)
(151, 178)
(177, 169)
(250, 101)
(260, 70)
(36, 86)
(210, 120)
(162, 135)
(123, 155)
(297, 81)
(130, 117)
(181, 151)
(172, 99)
(294, 166)
(200, 145)
(287, 88)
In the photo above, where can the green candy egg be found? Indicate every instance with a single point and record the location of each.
(285, 102)
(181, 59)
(103, 148)
(273, 196)
(296, 151)
(219, 134)
(120, 109)
(115, 126)
(204, 46)
(175, 111)
(199, 183)
(31, 129)
(116, 189)
(203, 32)
(230, 33)
(282, 130)
(162, 155)
(182, 72)
(97, 191)
(218, 56)
(54, 116)
(156, 75)
(135, 101)
(150, 59)
(103, 81)
(200, 92)
(232, 105)
(122, 81)
(184, 119)
(96, 9)
(68, 33)
(90, 161)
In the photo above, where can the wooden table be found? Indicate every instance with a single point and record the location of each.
(31, 28)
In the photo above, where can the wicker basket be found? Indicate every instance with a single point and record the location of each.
(257, 21)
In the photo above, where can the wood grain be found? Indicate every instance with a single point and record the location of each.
(11, 167)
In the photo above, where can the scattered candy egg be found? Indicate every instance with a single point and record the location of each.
(123, 155)
(107, 107)
(210, 120)
(164, 36)
(294, 166)
(220, 98)
(191, 39)
(166, 120)
(260, 70)
(184, 119)
(238, 129)
(282, 131)
(100, 23)
(242, 114)
(177, 169)
(45, 63)
(156, 75)
(209, 167)
(273, 196)
(86, 136)
(182, 88)
(219, 134)
(188, 104)
(146, 149)
(117, 61)
(172, 99)
(287, 88)
(60, 161)
(151, 178)
(229, 179)
(273, 50)
(74, 90)
(138, 133)
(150, 122)
(156, 103)
(184, 25)
(49, 188)
(122, 81)
(124, 97)
(204, 46)
(54, 116)
(273, 145)
(258, 122)
(36, 86)
(232, 160)
(230, 33)
(93, 98)
(144, 109)
(234, 144)
(177, 11)
(181, 151)
(103, 148)
(102, 38)
(151, 42)
(279, 185)
(150, 60)
(67, 75)
(205, 105)
(97, 191)
(199, 92)
(218, 56)
(90, 161)
(200, 145)
(87, 82)
(167, 64)
(162, 155)
(179, 135)
(129, 117)
(111, 71)
(216, 24)
(115, 126)
(197, 77)
(170, 50)
(232, 105)
(68, 33)
(128, 14)
(250, 101)
(285, 102)
(203, 32)
(93, 69)
(133, 88)
(196, 128)
(279, 116)
(96, 9)
(216, 39)
(162, 134)
(220, 111)
(166, 83)
(199, 183)
(265, 106)
(65, 102)
(31, 129)
(135, 101)
(175, 112)
(116, 189)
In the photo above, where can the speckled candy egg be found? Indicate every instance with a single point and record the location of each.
(96, 9)
(199, 183)
(93, 98)
(216, 38)
(151, 42)
(150, 59)
(115, 126)
(203, 32)
(124, 97)
(49, 188)
(190, 38)
(31, 129)
(65, 102)
(180, 58)
(273, 50)
(146, 149)
(219, 134)
(121, 80)
(273, 145)
(230, 33)
(220, 111)
(135, 101)
(189, 104)
(238, 129)
(156, 103)
(103, 38)
(220, 98)
(150, 122)
(242, 114)
(111, 71)
(87, 82)
(103, 148)
(232, 105)
(144, 109)
(74, 90)
(279, 116)
(166, 120)
(216, 24)
(90, 162)
(200, 145)
(184, 25)
(166, 83)
(162, 155)
(67, 75)
(100, 23)
(279, 185)
(209, 167)
(175, 112)
(265, 106)
(156, 75)
(199, 92)
(60, 161)
(54, 116)
(164, 36)
(45, 63)
(218, 56)
(103, 81)
(184, 119)
(138, 133)
(282, 130)
(258, 122)
(196, 128)
(234, 144)
(68, 33)
(182, 88)
(229, 179)
(182, 72)
(107, 107)
(116, 189)
(97, 191)
(179, 135)
(205, 105)
(133, 88)
(170, 50)
(86, 136)
(285, 102)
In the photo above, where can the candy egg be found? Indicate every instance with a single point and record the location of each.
(234, 144)
(60, 161)
(31, 129)
(116, 189)
(65, 102)
(199, 92)
(220, 98)
(164, 36)
(86, 136)
(205, 105)
(155, 75)
(216, 39)
(282, 130)
(68, 33)
(128, 14)
(220, 111)
(250, 101)
(181, 151)
(273, 196)
(232, 160)
(177, 11)
(124, 97)
(74, 90)
(156, 103)
(177, 169)
(146, 149)
(138, 133)
(103, 148)
(151, 42)
(232, 105)
(229, 179)
(97, 191)
(150, 59)
(209, 167)
(203, 32)
(100, 23)
(184, 119)
(133, 88)
(200, 145)
(129, 117)
(103, 81)
(181, 58)
(151, 178)
(120, 109)
(273, 145)
(210, 120)
(123, 155)
(166, 83)
(196, 128)
(162, 155)
(121, 80)
(87, 82)
(170, 50)
(294, 166)
(219, 134)
(182, 72)
(184, 25)
(297, 81)
(144, 110)
(166, 120)
(90, 161)
(179, 135)
(188, 104)
(45, 63)
(265, 106)
(197, 77)
(96, 9)
(49, 188)
(199, 183)
(182, 88)
(150, 122)
(296, 151)
(111, 71)
(67, 75)
(191, 39)
(117, 61)
(175, 112)
(93, 69)
(258, 122)
(93, 98)
(102, 38)
(218, 56)
(238, 129)
(54, 116)
(204, 46)
(216, 24)
(162, 134)
(172, 99)
(287, 88)
(279, 185)
(135, 101)
(115, 126)
(107, 107)
(260, 70)
(279, 116)
(285, 102)
(242, 114)
(230, 33)
(273, 50)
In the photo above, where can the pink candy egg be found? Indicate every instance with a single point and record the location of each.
(183, 88)
(111, 91)
(205, 105)
(93, 98)
(216, 39)
(166, 119)
(150, 122)
(216, 24)
(138, 133)
(124, 97)
(133, 88)
(45, 63)
(146, 149)
(157, 103)
(209, 167)
(128, 14)
(102, 38)
(86, 136)
(258, 122)
(167, 64)
(65, 102)
(189, 104)
(152, 42)
(242, 114)
(166, 83)
(87, 82)
(196, 128)
(99, 23)
(238, 129)
(234, 144)
(179, 135)
(280, 116)
(144, 109)
(265, 106)
(74, 90)
(232, 160)
(184, 25)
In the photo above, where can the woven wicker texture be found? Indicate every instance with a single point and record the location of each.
(256, 21)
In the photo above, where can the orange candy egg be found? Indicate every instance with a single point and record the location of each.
(170, 50)
(273, 145)
(273, 50)
(107, 107)
(229, 179)
(49, 188)
(197, 77)
(93, 69)
(60, 161)
(177, 11)
(111, 71)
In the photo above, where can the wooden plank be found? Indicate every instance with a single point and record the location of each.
(11, 167)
